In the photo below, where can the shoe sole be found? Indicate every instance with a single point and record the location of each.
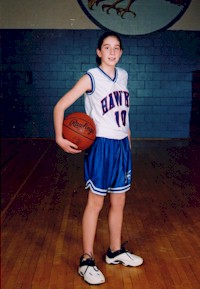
(91, 283)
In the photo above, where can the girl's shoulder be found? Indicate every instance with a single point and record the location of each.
(122, 73)
(93, 70)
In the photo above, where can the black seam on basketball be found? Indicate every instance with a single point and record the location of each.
(79, 133)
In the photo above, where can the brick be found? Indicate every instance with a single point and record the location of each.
(152, 51)
(72, 67)
(179, 109)
(135, 51)
(138, 118)
(160, 76)
(145, 59)
(57, 67)
(161, 109)
(169, 84)
(58, 84)
(134, 76)
(153, 67)
(85, 67)
(81, 59)
(161, 60)
(152, 101)
(136, 84)
(168, 101)
(129, 59)
(64, 75)
(42, 84)
(145, 75)
(45, 75)
(138, 67)
(146, 110)
(152, 84)
(65, 58)
(146, 42)
(145, 126)
(138, 101)
(144, 93)
(151, 117)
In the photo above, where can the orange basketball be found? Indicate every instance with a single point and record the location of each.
(80, 129)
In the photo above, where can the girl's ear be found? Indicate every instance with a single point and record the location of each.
(98, 52)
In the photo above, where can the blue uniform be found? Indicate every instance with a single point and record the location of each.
(108, 162)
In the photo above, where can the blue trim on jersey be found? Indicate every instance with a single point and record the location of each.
(92, 82)
(115, 76)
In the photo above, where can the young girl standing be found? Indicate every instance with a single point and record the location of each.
(107, 163)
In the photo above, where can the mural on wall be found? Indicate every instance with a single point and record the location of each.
(134, 17)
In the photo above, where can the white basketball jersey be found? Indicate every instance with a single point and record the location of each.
(108, 103)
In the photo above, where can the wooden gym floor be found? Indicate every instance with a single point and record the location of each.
(43, 199)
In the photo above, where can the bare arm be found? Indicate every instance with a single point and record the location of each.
(83, 85)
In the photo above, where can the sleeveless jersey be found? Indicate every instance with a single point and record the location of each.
(108, 103)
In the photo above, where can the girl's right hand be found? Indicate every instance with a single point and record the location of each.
(68, 146)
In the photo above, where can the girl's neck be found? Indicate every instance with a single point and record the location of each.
(109, 70)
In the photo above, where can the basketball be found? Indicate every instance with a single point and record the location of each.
(80, 129)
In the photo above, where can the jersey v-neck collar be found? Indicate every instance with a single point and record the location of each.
(112, 79)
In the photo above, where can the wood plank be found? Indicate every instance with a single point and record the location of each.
(18, 167)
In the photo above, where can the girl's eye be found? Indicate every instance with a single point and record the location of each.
(115, 48)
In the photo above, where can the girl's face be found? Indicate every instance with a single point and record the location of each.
(110, 51)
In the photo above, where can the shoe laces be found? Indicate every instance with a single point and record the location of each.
(88, 261)
(87, 254)
(123, 246)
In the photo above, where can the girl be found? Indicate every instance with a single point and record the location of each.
(107, 163)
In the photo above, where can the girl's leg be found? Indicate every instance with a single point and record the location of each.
(117, 253)
(89, 222)
(115, 219)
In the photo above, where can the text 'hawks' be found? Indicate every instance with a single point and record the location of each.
(116, 98)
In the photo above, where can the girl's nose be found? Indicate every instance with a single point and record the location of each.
(112, 51)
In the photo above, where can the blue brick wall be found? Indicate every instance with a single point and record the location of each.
(39, 66)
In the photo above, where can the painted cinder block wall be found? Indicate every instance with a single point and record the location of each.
(39, 66)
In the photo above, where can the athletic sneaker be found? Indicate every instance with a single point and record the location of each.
(124, 257)
(89, 271)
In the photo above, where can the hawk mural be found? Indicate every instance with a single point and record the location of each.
(134, 17)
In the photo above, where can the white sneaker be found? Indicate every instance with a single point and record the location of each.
(124, 257)
(90, 273)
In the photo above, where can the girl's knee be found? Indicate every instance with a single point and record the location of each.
(95, 201)
(117, 200)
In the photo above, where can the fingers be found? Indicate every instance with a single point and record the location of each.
(72, 150)
(68, 146)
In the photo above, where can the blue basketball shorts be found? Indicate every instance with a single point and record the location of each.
(108, 166)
